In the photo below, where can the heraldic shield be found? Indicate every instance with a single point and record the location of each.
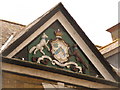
(60, 50)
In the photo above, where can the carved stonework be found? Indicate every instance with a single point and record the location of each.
(60, 50)
(76, 53)
(40, 45)
(58, 54)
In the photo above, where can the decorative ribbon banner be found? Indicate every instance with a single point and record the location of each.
(67, 64)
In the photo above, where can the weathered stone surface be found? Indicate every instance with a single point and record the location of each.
(7, 29)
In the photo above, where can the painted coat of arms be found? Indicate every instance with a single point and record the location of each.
(59, 50)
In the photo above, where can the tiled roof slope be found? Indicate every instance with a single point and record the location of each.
(8, 28)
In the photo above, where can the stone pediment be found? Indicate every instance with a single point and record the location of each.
(56, 40)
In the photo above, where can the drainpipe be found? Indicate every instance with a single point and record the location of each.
(6, 43)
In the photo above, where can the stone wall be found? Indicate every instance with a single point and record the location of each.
(11, 80)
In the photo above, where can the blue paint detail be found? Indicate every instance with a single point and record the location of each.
(59, 50)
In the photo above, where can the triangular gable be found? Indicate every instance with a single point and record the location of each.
(59, 13)
(75, 55)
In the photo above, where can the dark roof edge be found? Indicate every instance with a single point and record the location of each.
(32, 29)
(47, 16)
(89, 43)
(57, 70)
(111, 29)
(12, 22)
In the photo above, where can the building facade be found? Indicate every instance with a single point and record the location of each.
(53, 52)
(112, 51)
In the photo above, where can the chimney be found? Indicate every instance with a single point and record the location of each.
(115, 31)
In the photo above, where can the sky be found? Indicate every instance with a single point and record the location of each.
(93, 16)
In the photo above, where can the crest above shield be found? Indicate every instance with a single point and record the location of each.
(59, 48)
(59, 18)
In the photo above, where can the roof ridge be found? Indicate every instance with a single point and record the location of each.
(12, 22)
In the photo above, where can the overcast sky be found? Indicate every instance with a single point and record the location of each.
(93, 16)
